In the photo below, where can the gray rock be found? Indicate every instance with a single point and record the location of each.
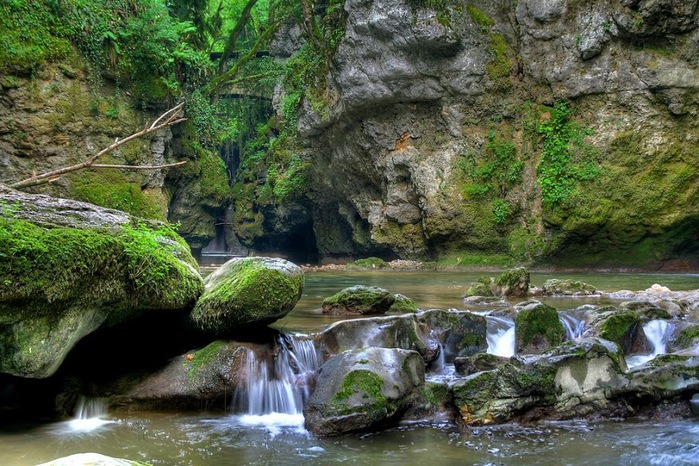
(363, 389)
(460, 333)
(247, 291)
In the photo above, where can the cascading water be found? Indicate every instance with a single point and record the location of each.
(501, 336)
(573, 326)
(276, 385)
(90, 414)
(658, 333)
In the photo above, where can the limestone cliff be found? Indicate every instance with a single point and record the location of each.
(557, 130)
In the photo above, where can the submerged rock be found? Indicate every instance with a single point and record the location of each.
(68, 268)
(363, 389)
(92, 459)
(359, 300)
(247, 291)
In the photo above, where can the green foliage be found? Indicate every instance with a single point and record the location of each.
(498, 171)
(28, 38)
(566, 159)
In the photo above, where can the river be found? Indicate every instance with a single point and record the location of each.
(228, 439)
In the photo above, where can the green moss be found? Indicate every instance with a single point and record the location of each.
(361, 299)
(251, 293)
(435, 394)
(513, 277)
(617, 326)
(362, 384)
(403, 304)
(500, 68)
(481, 287)
(368, 263)
(137, 267)
(479, 17)
(204, 357)
(687, 337)
(114, 189)
(539, 322)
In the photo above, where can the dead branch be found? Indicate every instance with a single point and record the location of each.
(169, 118)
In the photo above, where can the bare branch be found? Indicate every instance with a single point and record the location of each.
(138, 167)
(171, 117)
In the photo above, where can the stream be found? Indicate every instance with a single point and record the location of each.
(272, 433)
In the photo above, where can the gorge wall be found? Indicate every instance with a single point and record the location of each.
(556, 131)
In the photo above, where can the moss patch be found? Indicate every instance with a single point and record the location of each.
(617, 327)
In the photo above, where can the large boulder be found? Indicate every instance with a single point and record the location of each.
(363, 389)
(537, 328)
(359, 300)
(512, 283)
(247, 291)
(199, 377)
(68, 268)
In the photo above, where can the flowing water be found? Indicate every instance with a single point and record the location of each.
(266, 426)
(658, 333)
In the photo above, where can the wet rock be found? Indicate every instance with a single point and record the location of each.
(359, 300)
(199, 377)
(666, 376)
(363, 390)
(537, 328)
(512, 283)
(482, 288)
(403, 304)
(382, 332)
(460, 333)
(247, 291)
(620, 327)
(686, 337)
(68, 268)
(478, 363)
(568, 288)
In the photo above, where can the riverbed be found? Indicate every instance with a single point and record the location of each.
(227, 438)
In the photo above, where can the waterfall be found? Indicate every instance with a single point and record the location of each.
(658, 333)
(573, 326)
(501, 336)
(277, 384)
(89, 414)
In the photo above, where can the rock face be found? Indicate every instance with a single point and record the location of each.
(247, 291)
(363, 389)
(68, 268)
(359, 300)
(432, 143)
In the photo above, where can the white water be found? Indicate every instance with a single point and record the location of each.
(658, 333)
(276, 386)
(501, 336)
(90, 414)
(573, 326)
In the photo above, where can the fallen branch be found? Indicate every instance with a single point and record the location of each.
(169, 118)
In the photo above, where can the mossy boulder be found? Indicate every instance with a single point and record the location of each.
(403, 304)
(618, 326)
(359, 300)
(688, 337)
(247, 291)
(200, 376)
(567, 287)
(363, 389)
(537, 328)
(68, 268)
(512, 283)
(483, 287)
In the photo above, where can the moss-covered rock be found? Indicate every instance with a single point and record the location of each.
(247, 291)
(403, 304)
(537, 328)
(359, 300)
(477, 363)
(368, 263)
(512, 283)
(459, 333)
(363, 389)
(567, 287)
(483, 287)
(68, 268)
(688, 337)
(618, 326)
